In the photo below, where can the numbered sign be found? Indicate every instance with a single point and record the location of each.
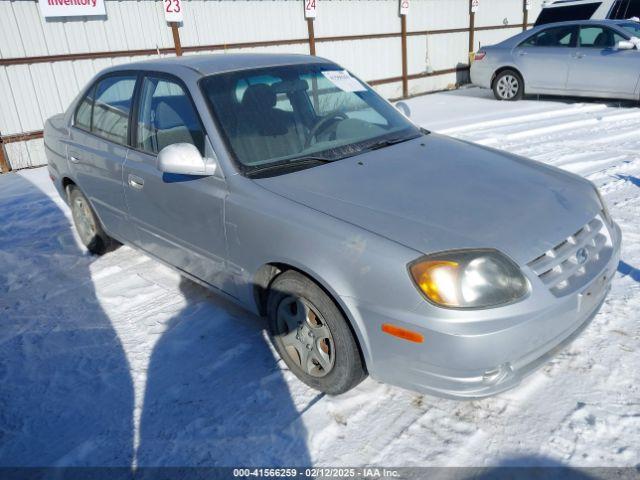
(310, 8)
(474, 5)
(527, 5)
(173, 10)
(404, 7)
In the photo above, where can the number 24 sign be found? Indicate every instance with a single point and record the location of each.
(310, 8)
(172, 10)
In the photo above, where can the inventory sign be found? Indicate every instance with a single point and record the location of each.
(404, 7)
(71, 8)
(310, 7)
(474, 5)
(173, 10)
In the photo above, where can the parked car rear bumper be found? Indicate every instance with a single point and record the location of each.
(484, 362)
(481, 73)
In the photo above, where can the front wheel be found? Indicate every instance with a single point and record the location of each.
(87, 224)
(312, 336)
(508, 85)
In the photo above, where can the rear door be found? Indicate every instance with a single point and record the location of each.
(98, 148)
(599, 68)
(543, 59)
(179, 218)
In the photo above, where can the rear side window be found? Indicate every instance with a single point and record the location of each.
(111, 107)
(624, 9)
(598, 37)
(567, 13)
(166, 116)
(83, 113)
(553, 37)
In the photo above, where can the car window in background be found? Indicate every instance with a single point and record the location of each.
(567, 13)
(283, 113)
(624, 9)
(598, 37)
(166, 116)
(82, 117)
(110, 119)
(553, 37)
(632, 28)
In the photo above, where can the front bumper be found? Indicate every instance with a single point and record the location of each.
(492, 356)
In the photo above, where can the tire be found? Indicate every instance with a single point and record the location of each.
(304, 323)
(508, 86)
(87, 224)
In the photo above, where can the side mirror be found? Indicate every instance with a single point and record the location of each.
(404, 108)
(625, 45)
(184, 159)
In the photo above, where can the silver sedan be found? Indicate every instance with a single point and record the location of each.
(586, 58)
(370, 245)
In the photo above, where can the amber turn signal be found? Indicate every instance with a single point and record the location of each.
(402, 333)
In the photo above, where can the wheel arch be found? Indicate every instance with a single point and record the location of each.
(508, 67)
(267, 273)
(66, 183)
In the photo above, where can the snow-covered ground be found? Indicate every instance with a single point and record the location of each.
(118, 361)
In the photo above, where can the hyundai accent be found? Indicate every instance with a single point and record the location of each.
(370, 245)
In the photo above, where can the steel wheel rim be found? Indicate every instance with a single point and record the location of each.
(83, 218)
(305, 336)
(508, 86)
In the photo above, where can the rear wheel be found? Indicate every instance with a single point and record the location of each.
(312, 336)
(508, 85)
(87, 224)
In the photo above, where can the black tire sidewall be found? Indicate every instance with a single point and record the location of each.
(348, 369)
(518, 95)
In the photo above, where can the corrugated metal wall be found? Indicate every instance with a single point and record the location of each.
(30, 93)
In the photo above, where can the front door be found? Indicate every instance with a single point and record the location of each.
(98, 148)
(543, 59)
(598, 67)
(179, 218)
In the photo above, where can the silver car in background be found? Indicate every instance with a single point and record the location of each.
(587, 58)
(370, 245)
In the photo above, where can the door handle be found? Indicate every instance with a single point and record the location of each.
(578, 55)
(74, 159)
(136, 182)
(522, 53)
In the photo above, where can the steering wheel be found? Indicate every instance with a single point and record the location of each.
(322, 124)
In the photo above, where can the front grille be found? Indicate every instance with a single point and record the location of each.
(576, 260)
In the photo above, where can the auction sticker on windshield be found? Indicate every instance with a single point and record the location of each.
(344, 81)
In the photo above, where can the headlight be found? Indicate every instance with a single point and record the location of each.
(469, 279)
(603, 207)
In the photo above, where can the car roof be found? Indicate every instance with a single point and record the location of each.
(604, 21)
(210, 64)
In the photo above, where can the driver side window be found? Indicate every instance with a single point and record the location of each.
(599, 37)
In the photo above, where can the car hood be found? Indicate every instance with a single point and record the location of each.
(436, 193)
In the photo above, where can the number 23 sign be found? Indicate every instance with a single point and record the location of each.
(172, 10)
(310, 8)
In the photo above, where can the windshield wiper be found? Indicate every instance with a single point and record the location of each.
(387, 143)
(294, 163)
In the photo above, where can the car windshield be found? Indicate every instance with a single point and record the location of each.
(284, 116)
(632, 28)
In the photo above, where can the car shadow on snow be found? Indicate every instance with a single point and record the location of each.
(215, 395)
(536, 467)
(66, 395)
